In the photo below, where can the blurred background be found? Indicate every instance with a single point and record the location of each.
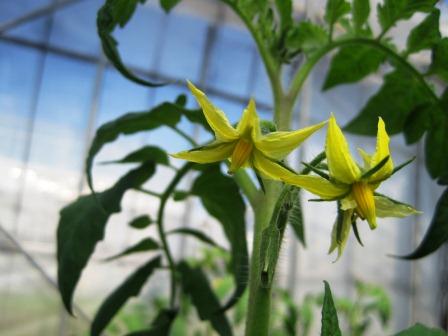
(56, 88)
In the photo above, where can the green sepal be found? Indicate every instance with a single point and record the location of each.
(356, 232)
(317, 171)
(375, 168)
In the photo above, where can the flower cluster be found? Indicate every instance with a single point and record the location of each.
(344, 180)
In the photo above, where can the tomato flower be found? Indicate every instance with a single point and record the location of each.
(352, 185)
(245, 145)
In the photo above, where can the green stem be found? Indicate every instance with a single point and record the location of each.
(248, 187)
(149, 192)
(160, 216)
(305, 69)
(272, 67)
(184, 135)
(257, 320)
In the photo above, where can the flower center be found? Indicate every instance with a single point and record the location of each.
(240, 154)
(365, 202)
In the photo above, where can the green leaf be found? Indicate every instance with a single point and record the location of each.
(378, 298)
(360, 13)
(439, 63)
(400, 94)
(82, 224)
(437, 232)
(330, 324)
(392, 11)
(426, 34)
(417, 122)
(436, 143)
(146, 153)
(284, 8)
(129, 288)
(160, 326)
(144, 245)
(307, 37)
(168, 5)
(296, 218)
(165, 114)
(421, 330)
(335, 10)
(196, 285)
(180, 195)
(221, 197)
(141, 222)
(113, 13)
(197, 234)
(351, 64)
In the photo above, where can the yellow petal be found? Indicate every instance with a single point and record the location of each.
(277, 145)
(240, 155)
(385, 207)
(207, 154)
(366, 158)
(318, 186)
(382, 150)
(340, 162)
(363, 195)
(269, 168)
(215, 117)
(249, 124)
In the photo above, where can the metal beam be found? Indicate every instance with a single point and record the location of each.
(33, 15)
(240, 99)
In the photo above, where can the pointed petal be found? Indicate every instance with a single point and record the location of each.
(366, 158)
(382, 150)
(363, 195)
(269, 168)
(318, 186)
(340, 232)
(215, 117)
(207, 154)
(249, 124)
(385, 207)
(277, 145)
(340, 162)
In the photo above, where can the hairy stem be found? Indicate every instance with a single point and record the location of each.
(160, 217)
(257, 319)
(248, 187)
(271, 65)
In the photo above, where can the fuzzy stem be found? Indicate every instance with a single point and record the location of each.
(160, 228)
(257, 321)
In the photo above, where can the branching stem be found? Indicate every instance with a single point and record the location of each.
(160, 217)
(305, 69)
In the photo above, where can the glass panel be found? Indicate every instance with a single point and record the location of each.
(224, 73)
(58, 145)
(183, 47)
(33, 30)
(74, 27)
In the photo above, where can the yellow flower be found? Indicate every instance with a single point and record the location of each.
(245, 145)
(354, 186)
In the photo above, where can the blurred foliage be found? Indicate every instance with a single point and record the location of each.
(412, 100)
